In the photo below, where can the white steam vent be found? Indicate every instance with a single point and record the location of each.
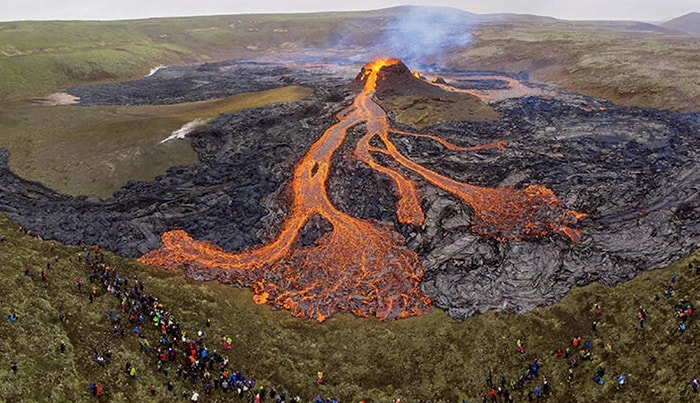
(154, 70)
(186, 129)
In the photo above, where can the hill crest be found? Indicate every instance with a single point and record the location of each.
(688, 24)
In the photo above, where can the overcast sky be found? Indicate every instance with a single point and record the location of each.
(641, 10)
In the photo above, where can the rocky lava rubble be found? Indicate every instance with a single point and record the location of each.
(634, 172)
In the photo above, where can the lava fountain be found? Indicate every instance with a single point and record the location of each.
(361, 266)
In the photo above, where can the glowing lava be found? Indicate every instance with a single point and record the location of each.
(360, 266)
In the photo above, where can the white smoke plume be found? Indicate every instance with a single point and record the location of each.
(421, 35)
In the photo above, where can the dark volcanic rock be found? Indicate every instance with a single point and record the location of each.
(177, 84)
(634, 172)
(223, 199)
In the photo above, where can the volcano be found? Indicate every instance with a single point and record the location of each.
(331, 205)
(360, 266)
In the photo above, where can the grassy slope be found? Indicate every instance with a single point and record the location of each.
(614, 61)
(429, 357)
(66, 149)
(39, 57)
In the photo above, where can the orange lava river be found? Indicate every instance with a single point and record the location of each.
(361, 266)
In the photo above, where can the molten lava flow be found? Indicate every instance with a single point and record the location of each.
(360, 266)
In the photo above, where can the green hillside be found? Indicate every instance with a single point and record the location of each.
(627, 62)
(37, 57)
(429, 357)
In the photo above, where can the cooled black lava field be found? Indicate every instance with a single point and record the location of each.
(634, 172)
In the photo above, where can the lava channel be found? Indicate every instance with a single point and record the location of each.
(360, 266)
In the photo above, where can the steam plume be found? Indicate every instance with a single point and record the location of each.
(421, 35)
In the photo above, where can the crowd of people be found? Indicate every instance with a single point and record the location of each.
(581, 350)
(172, 350)
(177, 354)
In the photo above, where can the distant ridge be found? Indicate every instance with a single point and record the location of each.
(688, 23)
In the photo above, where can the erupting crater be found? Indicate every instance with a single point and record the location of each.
(362, 266)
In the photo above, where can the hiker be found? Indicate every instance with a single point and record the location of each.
(13, 367)
(586, 355)
(558, 352)
(576, 341)
(600, 371)
(492, 394)
(621, 381)
(96, 389)
(669, 291)
(594, 325)
(642, 312)
(319, 377)
(519, 344)
(62, 346)
(640, 317)
(545, 385)
(681, 327)
(695, 385)
(598, 379)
